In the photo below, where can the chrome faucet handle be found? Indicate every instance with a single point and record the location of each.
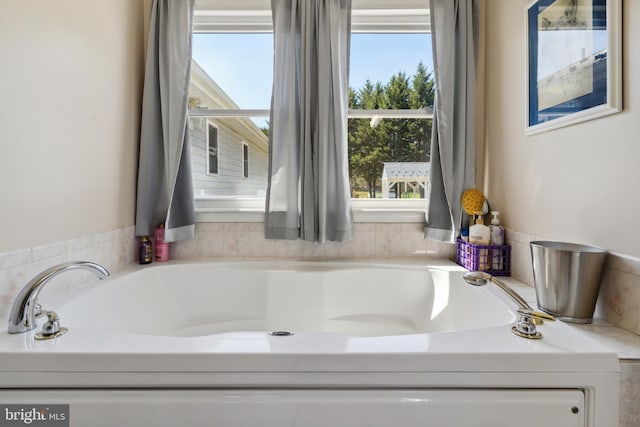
(525, 326)
(51, 329)
(536, 315)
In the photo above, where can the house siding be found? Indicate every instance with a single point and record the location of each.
(229, 181)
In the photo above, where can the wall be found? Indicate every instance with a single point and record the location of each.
(71, 83)
(573, 184)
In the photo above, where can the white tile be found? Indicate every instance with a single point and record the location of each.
(335, 250)
(236, 226)
(15, 258)
(209, 227)
(624, 263)
(235, 243)
(398, 244)
(363, 245)
(185, 249)
(359, 227)
(620, 299)
(48, 251)
(630, 394)
(311, 250)
(210, 245)
(440, 250)
(258, 246)
(289, 249)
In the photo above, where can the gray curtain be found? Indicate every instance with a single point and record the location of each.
(308, 196)
(165, 189)
(454, 34)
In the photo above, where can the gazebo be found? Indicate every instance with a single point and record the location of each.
(411, 174)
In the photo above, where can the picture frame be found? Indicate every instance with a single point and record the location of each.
(573, 62)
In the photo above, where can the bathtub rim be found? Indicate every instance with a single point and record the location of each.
(492, 349)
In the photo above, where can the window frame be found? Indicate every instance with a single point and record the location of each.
(211, 124)
(368, 16)
(245, 160)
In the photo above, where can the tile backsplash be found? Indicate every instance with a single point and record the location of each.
(619, 299)
(115, 250)
(370, 240)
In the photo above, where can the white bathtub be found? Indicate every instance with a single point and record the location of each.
(371, 344)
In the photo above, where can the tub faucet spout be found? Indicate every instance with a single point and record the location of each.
(525, 326)
(479, 278)
(23, 311)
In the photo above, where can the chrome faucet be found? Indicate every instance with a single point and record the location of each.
(25, 306)
(525, 326)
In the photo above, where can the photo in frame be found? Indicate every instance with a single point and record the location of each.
(573, 62)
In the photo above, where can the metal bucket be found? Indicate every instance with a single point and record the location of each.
(567, 279)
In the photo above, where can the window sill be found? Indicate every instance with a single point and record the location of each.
(364, 210)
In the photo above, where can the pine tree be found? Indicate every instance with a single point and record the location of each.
(391, 140)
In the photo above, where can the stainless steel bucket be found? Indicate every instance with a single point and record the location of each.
(567, 279)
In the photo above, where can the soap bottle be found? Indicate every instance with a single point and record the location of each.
(162, 247)
(479, 234)
(145, 250)
(497, 238)
(497, 231)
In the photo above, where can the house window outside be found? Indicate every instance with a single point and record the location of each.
(212, 149)
(245, 160)
(390, 107)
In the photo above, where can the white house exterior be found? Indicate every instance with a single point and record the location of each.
(238, 166)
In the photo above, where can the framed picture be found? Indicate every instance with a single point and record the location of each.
(573, 62)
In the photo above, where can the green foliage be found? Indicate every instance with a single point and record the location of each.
(392, 140)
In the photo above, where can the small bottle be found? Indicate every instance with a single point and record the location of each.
(145, 250)
(464, 234)
(479, 234)
(497, 238)
(162, 247)
(496, 230)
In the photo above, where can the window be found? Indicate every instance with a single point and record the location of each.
(390, 101)
(212, 149)
(245, 160)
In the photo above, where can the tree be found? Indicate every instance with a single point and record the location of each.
(391, 139)
(367, 144)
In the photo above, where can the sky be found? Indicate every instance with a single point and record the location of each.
(242, 64)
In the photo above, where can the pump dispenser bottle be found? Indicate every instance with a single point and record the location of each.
(479, 234)
(497, 238)
(497, 231)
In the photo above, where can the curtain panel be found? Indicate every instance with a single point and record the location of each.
(454, 35)
(165, 189)
(308, 194)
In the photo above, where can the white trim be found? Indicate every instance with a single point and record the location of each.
(221, 209)
(207, 152)
(367, 16)
(421, 113)
(245, 159)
